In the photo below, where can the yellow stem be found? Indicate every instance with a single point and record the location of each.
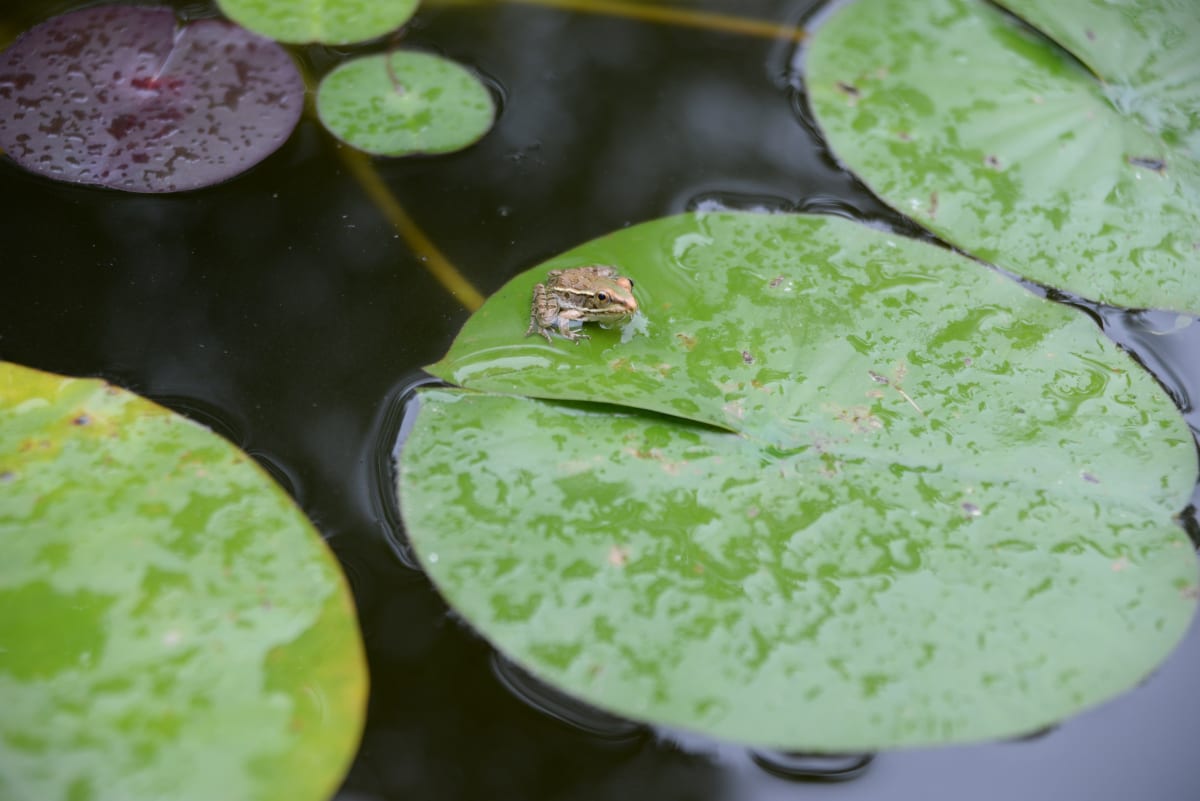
(435, 262)
(647, 12)
(363, 170)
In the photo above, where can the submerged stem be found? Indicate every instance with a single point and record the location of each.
(435, 262)
(727, 23)
(360, 166)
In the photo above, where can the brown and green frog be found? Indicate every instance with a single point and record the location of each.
(593, 293)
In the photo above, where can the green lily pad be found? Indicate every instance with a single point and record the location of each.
(325, 21)
(838, 491)
(1144, 50)
(992, 137)
(405, 102)
(171, 626)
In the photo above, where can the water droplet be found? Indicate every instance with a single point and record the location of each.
(812, 767)
(1035, 735)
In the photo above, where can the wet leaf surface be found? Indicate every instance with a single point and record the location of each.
(1144, 50)
(405, 102)
(171, 626)
(325, 21)
(989, 135)
(839, 491)
(119, 96)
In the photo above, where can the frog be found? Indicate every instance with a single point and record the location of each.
(591, 293)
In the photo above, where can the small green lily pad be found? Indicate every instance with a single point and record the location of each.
(171, 626)
(837, 491)
(325, 21)
(405, 102)
(992, 137)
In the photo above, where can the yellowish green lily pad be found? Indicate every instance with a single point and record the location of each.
(171, 626)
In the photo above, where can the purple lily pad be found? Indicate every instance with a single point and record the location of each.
(119, 96)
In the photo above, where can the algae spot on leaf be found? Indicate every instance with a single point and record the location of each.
(325, 21)
(158, 587)
(873, 533)
(405, 102)
(118, 96)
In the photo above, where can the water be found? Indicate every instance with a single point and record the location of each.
(283, 310)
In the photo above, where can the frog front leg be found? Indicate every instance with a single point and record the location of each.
(565, 316)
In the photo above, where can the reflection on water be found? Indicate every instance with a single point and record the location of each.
(561, 706)
(393, 421)
(1167, 344)
(1036, 735)
(279, 472)
(612, 730)
(813, 767)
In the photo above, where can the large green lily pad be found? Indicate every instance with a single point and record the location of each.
(1001, 143)
(171, 626)
(838, 490)
(325, 21)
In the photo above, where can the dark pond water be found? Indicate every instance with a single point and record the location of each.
(282, 310)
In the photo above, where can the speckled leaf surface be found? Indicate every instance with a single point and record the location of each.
(1144, 50)
(919, 505)
(118, 96)
(325, 21)
(1002, 144)
(405, 102)
(171, 626)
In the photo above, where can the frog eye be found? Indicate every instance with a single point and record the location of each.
(602, 297)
